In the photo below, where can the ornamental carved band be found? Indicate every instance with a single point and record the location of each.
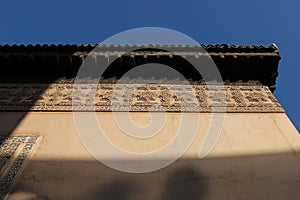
(14, 152)
(58, 97)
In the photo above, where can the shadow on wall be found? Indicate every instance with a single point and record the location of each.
(274, 176)
(18, 104)
(91, 180)
(10, 121)
(184, 183)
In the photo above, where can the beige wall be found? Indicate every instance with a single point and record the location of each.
(257, 156)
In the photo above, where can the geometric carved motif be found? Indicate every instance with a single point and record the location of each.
(137, 97)
(14, 151)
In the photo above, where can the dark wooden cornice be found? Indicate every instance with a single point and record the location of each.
(42, 63)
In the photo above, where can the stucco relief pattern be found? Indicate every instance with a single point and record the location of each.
(136, 97)
(14, 151)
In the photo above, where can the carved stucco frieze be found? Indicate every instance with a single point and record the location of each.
(137, 97)
(14, 151)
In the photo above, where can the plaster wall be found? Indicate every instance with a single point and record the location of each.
(256, 157)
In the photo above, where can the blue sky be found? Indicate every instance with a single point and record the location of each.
(260, 22)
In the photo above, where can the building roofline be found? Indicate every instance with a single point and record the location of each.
(42, 62)
(89, 47)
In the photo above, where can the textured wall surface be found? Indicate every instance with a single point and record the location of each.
(256, 157)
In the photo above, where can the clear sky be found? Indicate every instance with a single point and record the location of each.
(255, 22)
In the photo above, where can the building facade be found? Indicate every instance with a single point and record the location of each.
(241, 146)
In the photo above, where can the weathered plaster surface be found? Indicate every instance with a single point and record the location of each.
(256, 157)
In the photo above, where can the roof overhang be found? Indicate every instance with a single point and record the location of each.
(49, 63)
